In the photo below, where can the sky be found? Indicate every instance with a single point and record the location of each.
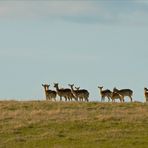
(88, 43)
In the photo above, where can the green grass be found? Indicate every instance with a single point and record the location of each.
(46, 124)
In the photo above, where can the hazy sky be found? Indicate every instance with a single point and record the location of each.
(85, 42)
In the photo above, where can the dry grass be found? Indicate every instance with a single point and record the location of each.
(72, 124)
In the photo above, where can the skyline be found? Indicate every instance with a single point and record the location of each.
(88, 43)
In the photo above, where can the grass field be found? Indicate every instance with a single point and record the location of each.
(43, 124)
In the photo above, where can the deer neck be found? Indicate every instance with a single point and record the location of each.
(57, 88)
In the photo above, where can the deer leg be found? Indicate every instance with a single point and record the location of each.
(87, 100)
(76, 99)
(120, 99)
(68, 99)
(65, 98)
(131, 98)
(108, 99)
(102, 99)
(48, 98)
(146, 99)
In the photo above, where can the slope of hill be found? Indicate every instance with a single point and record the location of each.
(43, 124)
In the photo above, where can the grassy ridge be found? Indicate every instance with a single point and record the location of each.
(73, 125)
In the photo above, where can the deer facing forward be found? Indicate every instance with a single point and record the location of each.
(105, 93)
(50, 94)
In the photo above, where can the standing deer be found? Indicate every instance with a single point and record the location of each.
(115, 95)
(105, 93)
(74, 92)
(50, 94)
(81, 94)
(146, 94)
(124, 92)
(66, 93)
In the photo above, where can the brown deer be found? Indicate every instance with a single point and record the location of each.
(105, 93)
(50, 94)
(81, 94)
(124, 92)
(146, 94)
(66, 93)
(74, 92)
(115, 95)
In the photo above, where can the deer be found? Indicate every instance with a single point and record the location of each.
(81, 94)
(74, 92)
(124, 92)
(50, 94)
(105, 93)
(146, 94)
(115, 95)
(66, 93)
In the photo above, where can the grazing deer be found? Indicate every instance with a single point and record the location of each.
(80, 94)
(146, 94)
(50, 94)
(115, 95)
(124, 92)
(105, 93)
(66, 93)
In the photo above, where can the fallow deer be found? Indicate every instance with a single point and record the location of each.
(105, 93)
(124, 92)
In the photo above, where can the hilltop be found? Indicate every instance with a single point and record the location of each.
(46, 124)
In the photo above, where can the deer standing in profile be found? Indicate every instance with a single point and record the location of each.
(105, 93)
(81, 94)
(146, 94)
(124, 92)
(66, 93)
(50, 94)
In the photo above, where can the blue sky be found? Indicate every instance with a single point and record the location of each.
(85, 42)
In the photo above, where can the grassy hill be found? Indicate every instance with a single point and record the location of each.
(43, 124)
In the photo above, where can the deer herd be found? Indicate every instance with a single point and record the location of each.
(76, 94)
